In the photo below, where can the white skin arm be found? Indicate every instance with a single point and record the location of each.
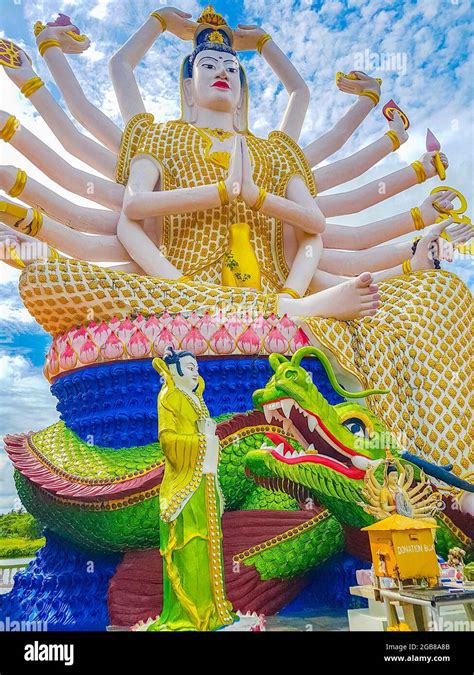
(330, 142)
(83, 218)
(87, 114)
(79, 145)
(354, 201)
(355, 165)
(246, 38)
(123, 62)
(371, 234)
(144, 175)
(299, 213)
(310, 246)
(76, 244)
(82, 183)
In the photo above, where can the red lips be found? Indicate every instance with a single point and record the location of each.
(221, 84)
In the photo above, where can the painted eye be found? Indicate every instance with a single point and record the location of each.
(209, 66)
(231, 69)
(356, 427)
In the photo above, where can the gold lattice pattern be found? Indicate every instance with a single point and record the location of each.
(418, 346)
(61, 294)
(196, 243)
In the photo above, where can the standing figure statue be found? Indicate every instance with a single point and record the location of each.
(191, 503)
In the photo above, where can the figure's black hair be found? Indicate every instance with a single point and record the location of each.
(171, 356)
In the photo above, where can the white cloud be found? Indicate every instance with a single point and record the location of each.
(26, 403)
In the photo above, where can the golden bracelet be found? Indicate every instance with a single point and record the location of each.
(262, 41)
(222, 189)
(417, 218)
(15, 259)
(419, 169)
(371, 94)
(260, 199)
(32, 85)
(6, 134)
(406, 266)
(394, 138)
(54, 255)
(46, 44)
(19, 184)
(290, 291)
(34, 227)
(158, 16)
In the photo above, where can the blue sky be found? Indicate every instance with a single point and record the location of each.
(430, 74)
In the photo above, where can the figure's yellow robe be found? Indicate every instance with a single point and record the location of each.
(190, 531)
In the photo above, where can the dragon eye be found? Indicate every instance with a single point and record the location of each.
(356, 427)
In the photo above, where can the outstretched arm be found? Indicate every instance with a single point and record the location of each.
(123, 63)
(351, 167)
(330, 142)
(90, 117)
(354, 201)
(365, 236)
(79, 145)
(82, 183)
(253, 37)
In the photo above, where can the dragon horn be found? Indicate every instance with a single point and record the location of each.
(314, 351)
(275, 360)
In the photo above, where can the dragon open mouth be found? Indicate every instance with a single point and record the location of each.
(320, 445)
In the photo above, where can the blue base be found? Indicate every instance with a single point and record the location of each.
(64, 588)
(114, 404)
(329, 588)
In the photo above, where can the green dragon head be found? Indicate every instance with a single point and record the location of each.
(338, 442)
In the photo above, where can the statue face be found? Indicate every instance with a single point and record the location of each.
(392, 478)
(215, 83)
(189, 379)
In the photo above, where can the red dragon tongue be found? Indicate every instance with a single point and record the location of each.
(432, 142)
(277, 439)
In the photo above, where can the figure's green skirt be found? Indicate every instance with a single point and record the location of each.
(193, 571)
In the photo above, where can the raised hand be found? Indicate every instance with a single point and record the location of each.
(427, 159)
(20, 74)
(427, 209)
(249, 189)
(246, 37)
(396, 125)
(234, 178)
(69, 44)
(179, 23)
(362, 83)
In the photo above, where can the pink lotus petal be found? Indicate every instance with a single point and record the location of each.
(194, 341)
(275, 342)
(113, 348)
(300, 339)
(101, 333)
(64, 20)
(88, 352)
(287, 327)
(178, 327)
(151, 328)
(207, 326)
(249, 342)
(432, 142)
(138, 346)
(165, 338)
(125, 331)
(222, 342)
(68, 358)
(234, 326)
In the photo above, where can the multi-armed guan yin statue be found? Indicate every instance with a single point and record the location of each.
(219, 244)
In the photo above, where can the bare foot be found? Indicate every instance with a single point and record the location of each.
(351, 299)
(431, 246)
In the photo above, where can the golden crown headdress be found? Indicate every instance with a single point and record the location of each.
(222, 33)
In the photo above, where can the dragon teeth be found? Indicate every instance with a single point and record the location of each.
(286, 406)
(267, 413)
(286, 425)
(312, 422)
(311, 448)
